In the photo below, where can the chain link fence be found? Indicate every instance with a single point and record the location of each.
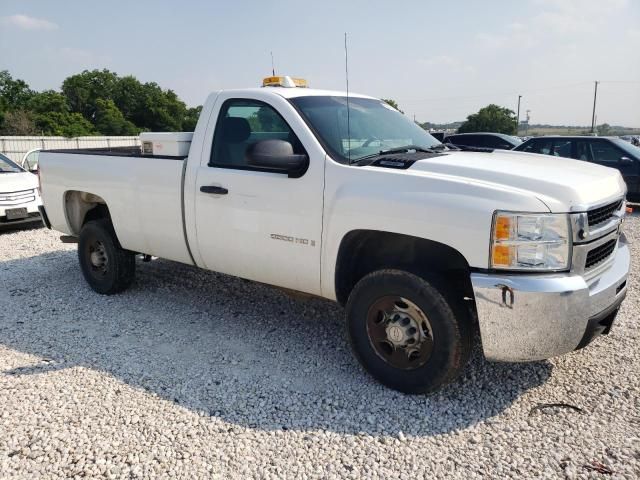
(16, 147)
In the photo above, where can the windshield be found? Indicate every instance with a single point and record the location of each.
(627, 147)
(373, 126)
(7, 166)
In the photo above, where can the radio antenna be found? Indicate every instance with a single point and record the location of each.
(273, 68)
(346, 72)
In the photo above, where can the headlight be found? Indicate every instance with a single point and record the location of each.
(523, 241)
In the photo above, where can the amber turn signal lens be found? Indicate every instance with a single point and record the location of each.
(502, 255)
(503, 228)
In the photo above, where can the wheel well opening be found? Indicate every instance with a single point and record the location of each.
(364, 251)
(81, 207)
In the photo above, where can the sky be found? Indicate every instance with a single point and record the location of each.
(440, 60)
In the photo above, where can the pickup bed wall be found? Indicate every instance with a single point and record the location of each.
(143, 196)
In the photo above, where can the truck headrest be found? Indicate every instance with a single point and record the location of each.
(235, 129)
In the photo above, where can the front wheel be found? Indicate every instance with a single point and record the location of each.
(106, 266)
(406, 333)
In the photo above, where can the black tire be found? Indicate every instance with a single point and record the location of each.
(445, 342)
(114, 270)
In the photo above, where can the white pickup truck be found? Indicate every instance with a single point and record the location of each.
(345, 198)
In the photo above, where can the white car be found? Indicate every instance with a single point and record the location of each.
(346, 198)
(19, 196)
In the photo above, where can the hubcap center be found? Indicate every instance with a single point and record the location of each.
(402, 330)
(98, 256)
(396, 334)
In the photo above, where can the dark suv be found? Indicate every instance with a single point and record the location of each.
(608, 151)
(489, 141)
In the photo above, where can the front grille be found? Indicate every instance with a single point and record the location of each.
(601, 253)
(9, 199)
(602, 214)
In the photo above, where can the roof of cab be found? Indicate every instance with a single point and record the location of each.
(293, 92)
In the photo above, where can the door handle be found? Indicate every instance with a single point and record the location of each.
(213, 189)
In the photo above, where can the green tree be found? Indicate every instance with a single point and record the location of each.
(14, 93)
(393, 103)
(190, 122)
(63, 124)
(52, 116)
(18, 122)
(604, 129)
(491, 118)
(91, 102)
(48, 101)
(109, 120)
(83, 90)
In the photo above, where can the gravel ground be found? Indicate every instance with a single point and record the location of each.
(193, 374)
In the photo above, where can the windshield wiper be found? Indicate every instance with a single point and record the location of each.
(404, 149)
(407, 148)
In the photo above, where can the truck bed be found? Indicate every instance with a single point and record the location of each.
(144, 195)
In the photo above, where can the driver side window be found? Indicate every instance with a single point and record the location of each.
(605, 152)
(240, 124)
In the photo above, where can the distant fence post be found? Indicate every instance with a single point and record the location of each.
(77, 142)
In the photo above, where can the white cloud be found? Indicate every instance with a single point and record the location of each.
(517, 37)
(26, 22)
(446, 61)
(568, 17)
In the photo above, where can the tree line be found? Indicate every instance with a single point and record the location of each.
(97, 102)
(100, 102)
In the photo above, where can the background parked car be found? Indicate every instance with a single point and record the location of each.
(19, 197)
(490, 141)
(438, 135)
(608, 151)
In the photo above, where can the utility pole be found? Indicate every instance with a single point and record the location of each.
(518, 117)
(593, 115)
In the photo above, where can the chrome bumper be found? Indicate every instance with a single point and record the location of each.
(533, 317)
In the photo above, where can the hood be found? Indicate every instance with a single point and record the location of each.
(563, 184)
(14, 182)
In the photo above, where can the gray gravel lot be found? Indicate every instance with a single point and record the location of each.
(192, 374)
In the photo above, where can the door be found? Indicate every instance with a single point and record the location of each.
(604, 152)
(250, 222)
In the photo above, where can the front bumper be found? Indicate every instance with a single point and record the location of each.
(34, 217)
(533, 317)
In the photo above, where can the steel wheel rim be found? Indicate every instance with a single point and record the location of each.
(399, 332)
(98, 259)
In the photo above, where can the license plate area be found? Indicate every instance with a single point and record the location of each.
(16, 213)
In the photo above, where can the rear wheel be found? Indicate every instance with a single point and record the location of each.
(406, 333)
(106, 266)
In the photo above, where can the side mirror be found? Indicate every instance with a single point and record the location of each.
(277, 155)
(625, 161)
